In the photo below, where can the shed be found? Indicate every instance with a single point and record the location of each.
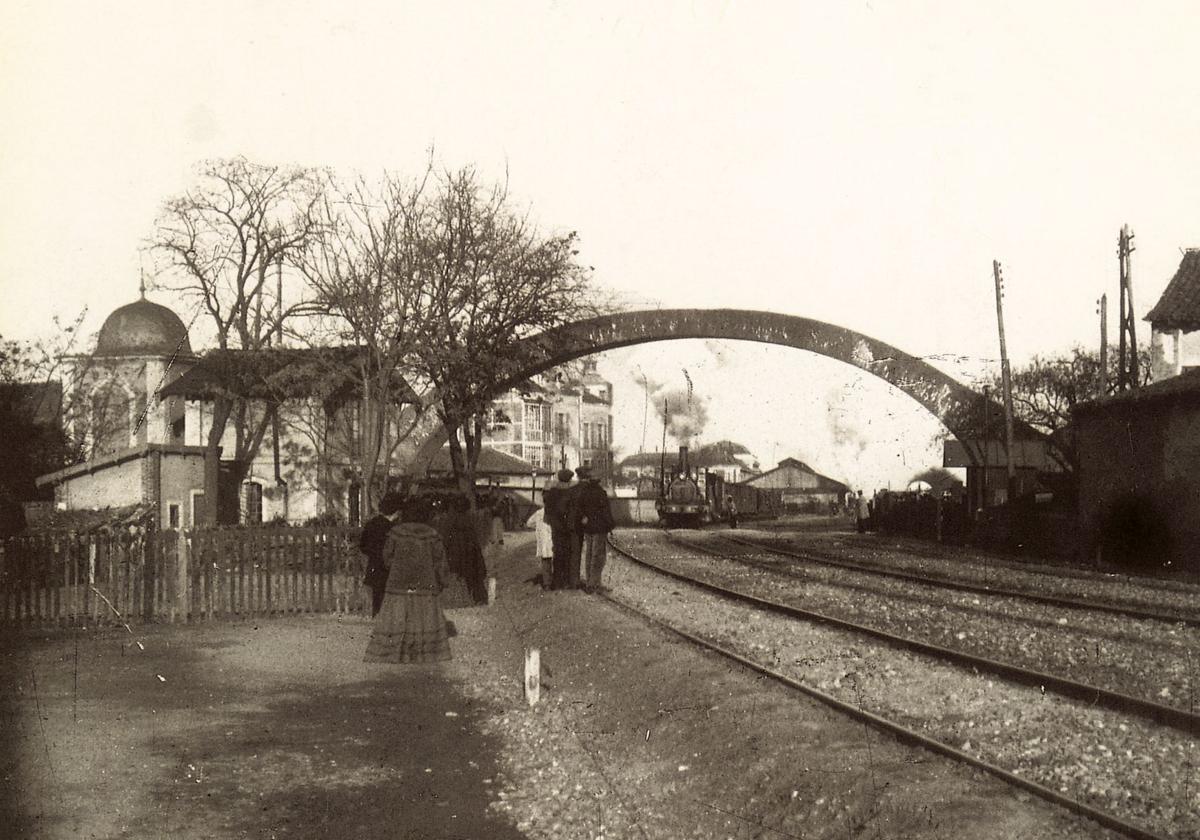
(1139, 475)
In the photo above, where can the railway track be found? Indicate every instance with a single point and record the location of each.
(1091, 695)
(1137, 661)
(1126, 610)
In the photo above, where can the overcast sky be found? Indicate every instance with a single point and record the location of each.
(861, 164)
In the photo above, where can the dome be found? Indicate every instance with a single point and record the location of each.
(143, 328)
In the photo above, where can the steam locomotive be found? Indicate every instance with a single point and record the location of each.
(685, 502)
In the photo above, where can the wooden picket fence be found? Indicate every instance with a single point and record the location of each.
(58, 579)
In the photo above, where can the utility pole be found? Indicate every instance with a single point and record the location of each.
(1007, 381)
(1103, 347)
(1127, 375)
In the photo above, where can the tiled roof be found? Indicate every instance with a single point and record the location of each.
(1179, 306)
(491, 462)
(276, 373)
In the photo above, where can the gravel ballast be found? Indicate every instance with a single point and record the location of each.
(1138, 771)
(1153, 660)
(641, 735)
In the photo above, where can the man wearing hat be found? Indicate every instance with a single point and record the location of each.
(591, 516)
(556, 498)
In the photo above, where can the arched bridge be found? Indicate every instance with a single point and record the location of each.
(946, 398)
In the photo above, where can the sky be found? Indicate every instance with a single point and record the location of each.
(857, 163)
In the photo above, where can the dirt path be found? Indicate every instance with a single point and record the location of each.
(238, 730)
(279, 730)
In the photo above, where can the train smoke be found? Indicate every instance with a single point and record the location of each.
(685, 416)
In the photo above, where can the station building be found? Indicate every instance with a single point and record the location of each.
(143, 404)
(801, 487)
(1139, 451)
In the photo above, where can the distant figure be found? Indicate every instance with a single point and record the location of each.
(556, 497)
(592, 519)
(370, 543)
(862, 511)
(410, 626)
(544, 546)
(464, 556)
(731, 509)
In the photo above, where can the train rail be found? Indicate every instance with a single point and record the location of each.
(905, 733)
(1164, 715)
(811, 556)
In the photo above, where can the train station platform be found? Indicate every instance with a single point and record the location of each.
(277, 728)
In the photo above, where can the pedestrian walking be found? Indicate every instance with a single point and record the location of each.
(410, 626)
(371, 542)
(591, 516)
(556, 498)
(731, 509)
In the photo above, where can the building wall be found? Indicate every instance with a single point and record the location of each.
(784, 478)
(566, 424)
(113, 486)
(1172, 352)
(1143, 462)
(180, 476)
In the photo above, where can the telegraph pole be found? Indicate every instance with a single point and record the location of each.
(1127, 375)
(1103, 347)
(1007, 381)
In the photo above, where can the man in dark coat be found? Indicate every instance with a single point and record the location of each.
(463, 552)
(371, 542)
(555, 498)
(592, 519)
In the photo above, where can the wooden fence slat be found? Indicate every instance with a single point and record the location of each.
(174, 575)
(267, 556)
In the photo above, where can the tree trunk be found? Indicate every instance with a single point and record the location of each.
(212, 459)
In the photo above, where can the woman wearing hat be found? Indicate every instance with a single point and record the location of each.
(556, 497)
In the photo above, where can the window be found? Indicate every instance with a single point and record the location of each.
(252, 513)
(173, 516)
(533, 421)
(533, 454)
(354, 503)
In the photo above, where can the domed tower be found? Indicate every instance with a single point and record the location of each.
(142, 347)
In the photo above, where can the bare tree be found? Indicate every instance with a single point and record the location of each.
(489, 278)
(228, 241)
(1045, 391)
(362, 269)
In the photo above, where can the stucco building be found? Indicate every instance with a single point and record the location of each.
(562, 418)
(1175, 322)
(143, 405)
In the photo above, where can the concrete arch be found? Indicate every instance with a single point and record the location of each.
(943, 396)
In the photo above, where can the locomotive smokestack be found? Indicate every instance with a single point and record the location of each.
(683, 460)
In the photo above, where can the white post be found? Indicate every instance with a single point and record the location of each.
(533, 675)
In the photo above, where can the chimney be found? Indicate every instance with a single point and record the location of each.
(683, 460)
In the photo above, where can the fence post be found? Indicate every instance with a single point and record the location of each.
(181, 603)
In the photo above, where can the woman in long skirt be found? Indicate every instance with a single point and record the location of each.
(410, 626)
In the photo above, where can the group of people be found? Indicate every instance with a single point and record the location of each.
(417, 563)
(575, 521)
(420, 561)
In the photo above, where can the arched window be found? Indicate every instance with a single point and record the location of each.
(110, 420)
